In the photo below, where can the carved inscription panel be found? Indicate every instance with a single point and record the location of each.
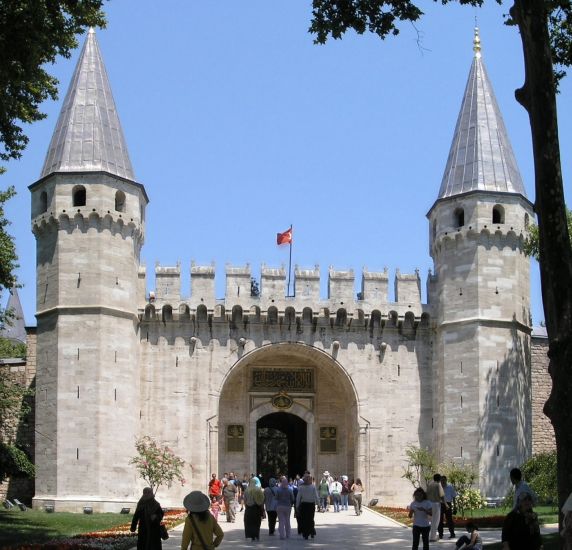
(276, 379)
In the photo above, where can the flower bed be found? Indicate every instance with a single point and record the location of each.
(400, 515)
(116, 538)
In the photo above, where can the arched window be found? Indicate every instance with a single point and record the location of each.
(272, 315)
(526, 221)
(236, 317)
(498, 214)
(459, 217)
(307, 315)
(120, 201)
(167, 312)
(290, 315)
(79, 195)
(341, 317)
(43, 202)
(201, 313)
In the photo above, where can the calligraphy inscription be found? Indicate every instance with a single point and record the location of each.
(300, 380)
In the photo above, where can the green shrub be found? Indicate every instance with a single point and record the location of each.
(470, 499)
(540, 473)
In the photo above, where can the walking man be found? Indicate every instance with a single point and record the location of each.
(436, 495)
(447, 508)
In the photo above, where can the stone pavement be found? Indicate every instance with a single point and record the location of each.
(340, 531)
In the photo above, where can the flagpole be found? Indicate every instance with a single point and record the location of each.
(290, 261)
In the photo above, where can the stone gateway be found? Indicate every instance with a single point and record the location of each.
(260, 381)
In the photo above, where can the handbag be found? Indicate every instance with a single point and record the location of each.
(163, 531)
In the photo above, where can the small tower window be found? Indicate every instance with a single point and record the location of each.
(434, 229)
(120, 201)
(526, 221)
(498, 214)
(43, 202)
(79, 195)
(459, 217)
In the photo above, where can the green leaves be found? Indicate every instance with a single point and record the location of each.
(334, 17)
(157, 464)
(32, 34)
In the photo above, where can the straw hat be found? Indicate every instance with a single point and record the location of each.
(326, 473)
(196, 501)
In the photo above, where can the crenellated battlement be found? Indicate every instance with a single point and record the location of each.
(269, 296)
(83, 219)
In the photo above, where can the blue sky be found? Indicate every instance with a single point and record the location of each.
(238, 126)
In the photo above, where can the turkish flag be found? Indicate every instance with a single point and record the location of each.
(284, 238)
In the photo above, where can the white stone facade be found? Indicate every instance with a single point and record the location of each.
(352, 380)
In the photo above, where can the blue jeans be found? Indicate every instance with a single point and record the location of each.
(345, 499)
(336, 500)
(324, 503)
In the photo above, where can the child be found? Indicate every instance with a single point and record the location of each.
(474, 542)
(215, 507)
(420, 511)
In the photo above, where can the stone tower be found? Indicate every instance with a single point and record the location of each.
(88, 218)
(480, 291)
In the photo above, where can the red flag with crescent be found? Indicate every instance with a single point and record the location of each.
(284, 238)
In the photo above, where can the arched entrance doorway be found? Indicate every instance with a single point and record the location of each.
(281, 446)
(287, 406)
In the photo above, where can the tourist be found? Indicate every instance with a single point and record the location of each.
(254, 509)
(324, 493)
(419, 510)
(215, 488)
(201, 528)
(520, 487)
(345, 493)
(567, 523)
(306, 502)
(270, 505)
(284, 502)
(358, 492)
(436, 495)
(521, 530)
(229, 494)
(215, 507)
(336, 492)
(473, 542)
(148, 515)
(447, 508)
(244, 486)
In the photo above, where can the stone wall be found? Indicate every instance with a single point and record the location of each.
(23, 372)
(542, 430)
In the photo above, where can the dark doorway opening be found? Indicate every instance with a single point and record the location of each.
(280, 445)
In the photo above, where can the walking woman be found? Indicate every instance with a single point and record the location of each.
(201, 528)
(358, 491)
(284, 502)
(148, 515)
(306, 501)
(270, 505)
(254, 509)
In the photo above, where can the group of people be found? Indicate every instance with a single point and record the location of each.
(520, 531)
(429, 509)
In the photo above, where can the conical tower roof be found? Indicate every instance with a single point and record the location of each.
(481, 157)
(88, 136)
(15, 327)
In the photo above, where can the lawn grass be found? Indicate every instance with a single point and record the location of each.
(35, 526)
(546, 514)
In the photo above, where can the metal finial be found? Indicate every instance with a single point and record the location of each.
(477, 43)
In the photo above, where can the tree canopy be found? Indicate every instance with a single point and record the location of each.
(32, 34)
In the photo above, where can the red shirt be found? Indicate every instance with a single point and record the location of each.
(215, 487)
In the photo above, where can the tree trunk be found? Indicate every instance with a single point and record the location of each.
(538, 96)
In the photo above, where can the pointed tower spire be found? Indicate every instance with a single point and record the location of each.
(481, 157)
(88, 136)
(15, 327)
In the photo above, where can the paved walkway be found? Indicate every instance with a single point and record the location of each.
(341, 531)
